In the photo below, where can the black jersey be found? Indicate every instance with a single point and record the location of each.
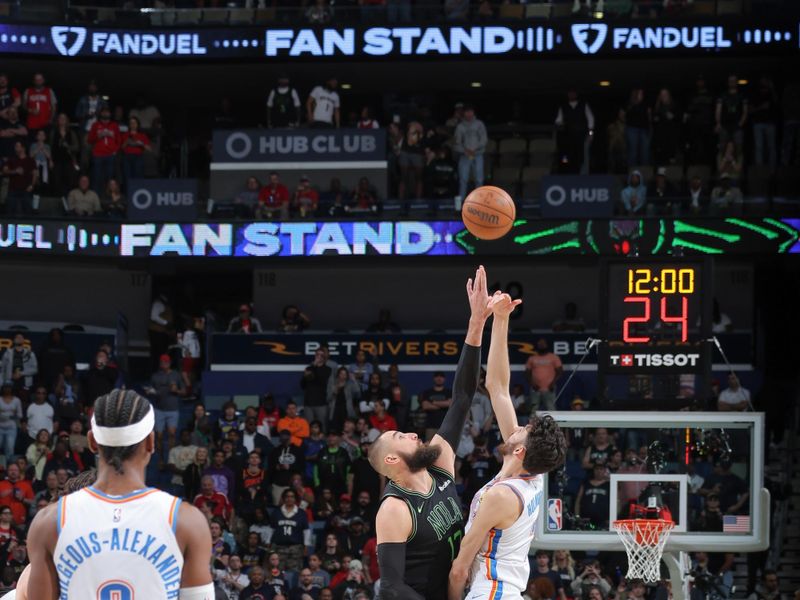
(436, 535)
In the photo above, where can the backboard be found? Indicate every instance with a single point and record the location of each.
(696, 455)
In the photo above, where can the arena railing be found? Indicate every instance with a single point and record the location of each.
(239, 13)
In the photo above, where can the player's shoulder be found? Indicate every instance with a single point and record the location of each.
(394, 521)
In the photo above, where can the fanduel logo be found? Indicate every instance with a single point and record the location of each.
(60, 36)
(580, 35)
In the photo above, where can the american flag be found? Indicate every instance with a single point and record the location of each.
(735, 523)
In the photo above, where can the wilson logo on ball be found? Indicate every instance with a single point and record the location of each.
(483, 215)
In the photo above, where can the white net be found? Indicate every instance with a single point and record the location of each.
(644, 541)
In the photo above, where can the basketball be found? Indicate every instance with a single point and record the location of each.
(488, 212)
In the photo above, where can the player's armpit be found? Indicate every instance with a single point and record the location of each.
(194, 537)
(499, 507)
(43, 581)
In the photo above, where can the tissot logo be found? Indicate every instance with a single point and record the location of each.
(581, 33)
(68, 40)
(654, 360)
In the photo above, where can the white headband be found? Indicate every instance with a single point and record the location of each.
(116, 437)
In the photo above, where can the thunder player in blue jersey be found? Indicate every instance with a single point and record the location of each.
(118, 539)
(493, 559)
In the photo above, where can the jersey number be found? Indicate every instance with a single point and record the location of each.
(454, 543)
(115, 590)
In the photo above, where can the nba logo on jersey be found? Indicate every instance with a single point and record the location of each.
(117, 517)
(554, 514)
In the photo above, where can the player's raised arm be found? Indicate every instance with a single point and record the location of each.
(394, 526)
(498, 371)
(499, 508)
(467, 373)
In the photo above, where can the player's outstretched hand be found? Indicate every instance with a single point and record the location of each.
(501, 305)
(478, 295)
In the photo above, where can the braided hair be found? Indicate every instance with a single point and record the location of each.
(119, 408)
(545, 446)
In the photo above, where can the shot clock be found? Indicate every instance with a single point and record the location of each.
(655, 316)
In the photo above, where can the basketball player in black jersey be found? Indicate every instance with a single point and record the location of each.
(419, 523)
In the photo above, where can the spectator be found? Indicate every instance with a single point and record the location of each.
(60, 459)
(440, 176)
(39, 414)
(663, 195)
(306, 588)
(220, 549)
(367, 511)
(113, 202)
(168, 388)
(731, 489)
(665, 129)
(22, 177)
(726, 198)
(53, 356)
(734, 397)
(89, 106)
(411, 161)
(222, 475)
(65, 146)
(319, 12)
(333, 467)
(19, 366)
(245, 322)
(571, 320)
(729, 162)
(16, 493)
(83, 201)
(179, 459)
(283, 104)
(50, 491)
(617, 150)
(470, 144)
(592, 501)
(104, 137)
(434, 402)
(134, 144)
(268, 416)
(43, 157)
(590, 577)
(598, 450)
(291, 532)
(374, 394)
(253, 553)
(252, 439)
(148, 116)
(731, 115)
(319, 576)
(361, 370)
(284, 461)
(193, 473)
(637, 129)
(306, 199)
(696, 201)
(10, 417)
(477, 468)
(710, 518)
(574, 129)
(542, 372)
(231, 579)
(315, 388)
(541, 571)
(40, 104)
(367, 120)
(273, 199)
(365, 197)
(769, 588)
(634, 195)
(245, 203)
(334, 198)
(354, 584)
(343, 395)
(790, 104)
(212, 502)
(258, 588)
(252, 486)
(699, 120)
(9, 97)
(99, 379)
(764, 114)
(382, 420)
(323, 106)
(564, 565)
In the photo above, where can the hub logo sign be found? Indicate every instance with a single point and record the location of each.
(163, 199)
(578, 195)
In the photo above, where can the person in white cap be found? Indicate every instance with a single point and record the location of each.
(119, 539)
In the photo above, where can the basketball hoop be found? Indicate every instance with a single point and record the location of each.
(644, 541)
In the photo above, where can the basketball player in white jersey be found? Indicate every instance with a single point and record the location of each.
(118, 539)
(493, 558)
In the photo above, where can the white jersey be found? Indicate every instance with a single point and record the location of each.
(501, 567)
(118, 547)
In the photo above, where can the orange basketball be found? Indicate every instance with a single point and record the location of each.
(488, 212)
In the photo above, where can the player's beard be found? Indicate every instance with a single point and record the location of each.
(422, 458)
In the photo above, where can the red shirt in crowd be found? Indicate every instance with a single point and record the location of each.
(271, 418)
(12, 495)
(371, 551)
(273, 197)
(104, 138)
(137, 136)
(386, 424)
(307, 198)
(39, 106)
(216, 502)
(20, 182)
